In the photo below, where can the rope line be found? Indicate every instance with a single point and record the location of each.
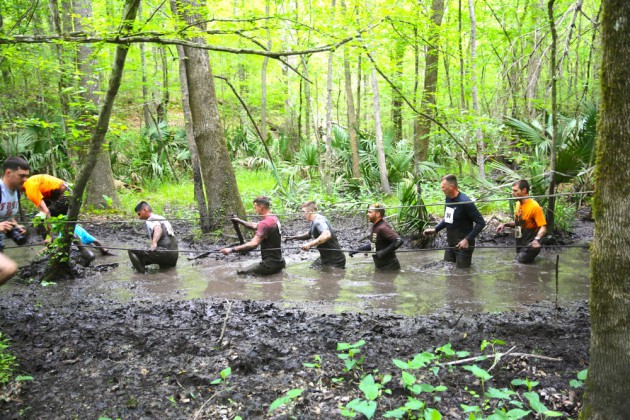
(406, 250)
(332, 210)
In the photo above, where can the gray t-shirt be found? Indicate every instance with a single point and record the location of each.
(167, 240)
(9, 207)
(10, 204)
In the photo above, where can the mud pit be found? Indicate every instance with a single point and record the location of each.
(126, 349)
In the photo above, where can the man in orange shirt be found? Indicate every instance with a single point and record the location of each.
(529, 223)
(49, 194)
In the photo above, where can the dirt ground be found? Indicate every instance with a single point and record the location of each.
(93, 357)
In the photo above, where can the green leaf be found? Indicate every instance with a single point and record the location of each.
(400, 364)
(534, 402)
(398, 413)
(435, 370)
(226, 372)
(385, 379)
(369, 387)
(427, 388)
(367, 408)
(582, 375)
(23, 378)
(517, 413)
(414, 404)
(432, 414)
(294, 393)
(503, 394)
(446, 349)
(278, 402)
(575, 383)
(216, 381)
(408, 379)
(470, 408)
(441, 388)
(478, 372)
(462, 354)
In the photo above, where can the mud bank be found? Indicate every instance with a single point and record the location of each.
(92, 356)
(145, 360)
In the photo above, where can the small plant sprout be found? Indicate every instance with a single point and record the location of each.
(534, 402)
(349, 358)
(367, 408)
(480, 373)
(225, 373)
(491, 343)
(529, 384)
(407, 410)
(286, 399)
(581, 377)
(317, 363)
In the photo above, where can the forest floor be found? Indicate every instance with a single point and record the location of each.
(93, 357)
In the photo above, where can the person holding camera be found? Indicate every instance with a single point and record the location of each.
(15, 172)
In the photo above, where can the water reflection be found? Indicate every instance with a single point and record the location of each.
(426, 284)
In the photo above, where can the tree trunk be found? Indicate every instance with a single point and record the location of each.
(219, 181)
(397, 120)
(378, 133)
(473, 81)
(551, 204)
(192, 147)
(145, 88)
(58, 265)
(263, 85)
(327, 181)
(607, 386)
(352, 118)
(421, 141)
(86, 63)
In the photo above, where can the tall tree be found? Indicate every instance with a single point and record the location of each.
(551, 204)
(58, 265)
(378, 134)
(101, 191)
(219, 180)
(327, 181)
(422, 126)
(607, 386)
(474, 92)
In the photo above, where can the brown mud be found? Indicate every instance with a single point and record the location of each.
(92, 356)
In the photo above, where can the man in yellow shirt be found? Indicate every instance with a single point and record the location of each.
(48, 193)
(529, 224)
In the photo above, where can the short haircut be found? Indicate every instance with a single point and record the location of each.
(451, 179)
(14, 163)
(378, 207)
(309, 205)
(143, 205)
(522, 184)
(263, 200)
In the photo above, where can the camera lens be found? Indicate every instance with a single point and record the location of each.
(18, 237)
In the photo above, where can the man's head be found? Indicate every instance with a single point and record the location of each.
(15, 172)
(520, 188)
(143, 210)
(262, 204)
(376, 212)
(449, 186)
(309, 210)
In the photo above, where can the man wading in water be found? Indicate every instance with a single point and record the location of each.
(267, 236)
(325, 240)
(383, 240)
(163, 249)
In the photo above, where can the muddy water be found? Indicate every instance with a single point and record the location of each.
(425, 284)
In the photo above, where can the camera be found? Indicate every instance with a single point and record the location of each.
(18, 236)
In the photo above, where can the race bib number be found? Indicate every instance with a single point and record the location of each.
(449, 212)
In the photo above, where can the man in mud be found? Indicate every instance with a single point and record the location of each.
(383, 240)
(463, 222)
(324, 238)
(163, 249)
(529, 224)
(48, 193)
(15, 172)
(267, 236)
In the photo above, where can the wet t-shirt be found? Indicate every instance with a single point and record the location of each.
(167, 240)
(330, 251)
(9, 206)
(382, 236)
(269, 230)
(529, 217)
(459, 220)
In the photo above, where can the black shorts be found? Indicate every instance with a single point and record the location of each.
(263, 268)
(461, 257)
(526, 255)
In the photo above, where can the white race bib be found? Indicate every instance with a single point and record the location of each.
(449, 212)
